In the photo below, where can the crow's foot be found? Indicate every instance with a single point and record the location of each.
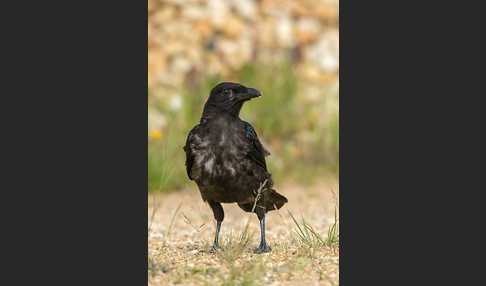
(262, 249)
(214, 248)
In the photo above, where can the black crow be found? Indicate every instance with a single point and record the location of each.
(227, 161)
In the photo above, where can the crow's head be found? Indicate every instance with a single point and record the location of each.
(228, 97)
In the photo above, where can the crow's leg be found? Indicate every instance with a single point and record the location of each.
(260, 211)
(219, 216)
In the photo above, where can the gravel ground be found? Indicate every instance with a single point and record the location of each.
(181, 231)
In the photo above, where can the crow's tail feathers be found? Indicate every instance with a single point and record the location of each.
(273, 200)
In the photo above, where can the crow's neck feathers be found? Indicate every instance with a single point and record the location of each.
(212, 110)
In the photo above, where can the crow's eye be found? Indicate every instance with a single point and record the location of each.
(226, 92)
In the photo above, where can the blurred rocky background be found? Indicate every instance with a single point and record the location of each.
(287, 49)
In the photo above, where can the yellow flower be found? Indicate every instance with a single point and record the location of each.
(156, 134)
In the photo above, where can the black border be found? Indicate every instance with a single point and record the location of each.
(409, 128)
(81, 143)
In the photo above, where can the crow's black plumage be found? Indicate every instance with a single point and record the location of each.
(227, 161)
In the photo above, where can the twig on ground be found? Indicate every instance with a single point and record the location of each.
(188, 221)
(259, 192)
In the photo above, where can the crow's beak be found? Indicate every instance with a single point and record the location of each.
(253, 93)
(249, 94)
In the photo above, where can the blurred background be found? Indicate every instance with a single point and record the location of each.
(286, 49)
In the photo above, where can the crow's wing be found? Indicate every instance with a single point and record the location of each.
(256, 152)
(190, 144)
